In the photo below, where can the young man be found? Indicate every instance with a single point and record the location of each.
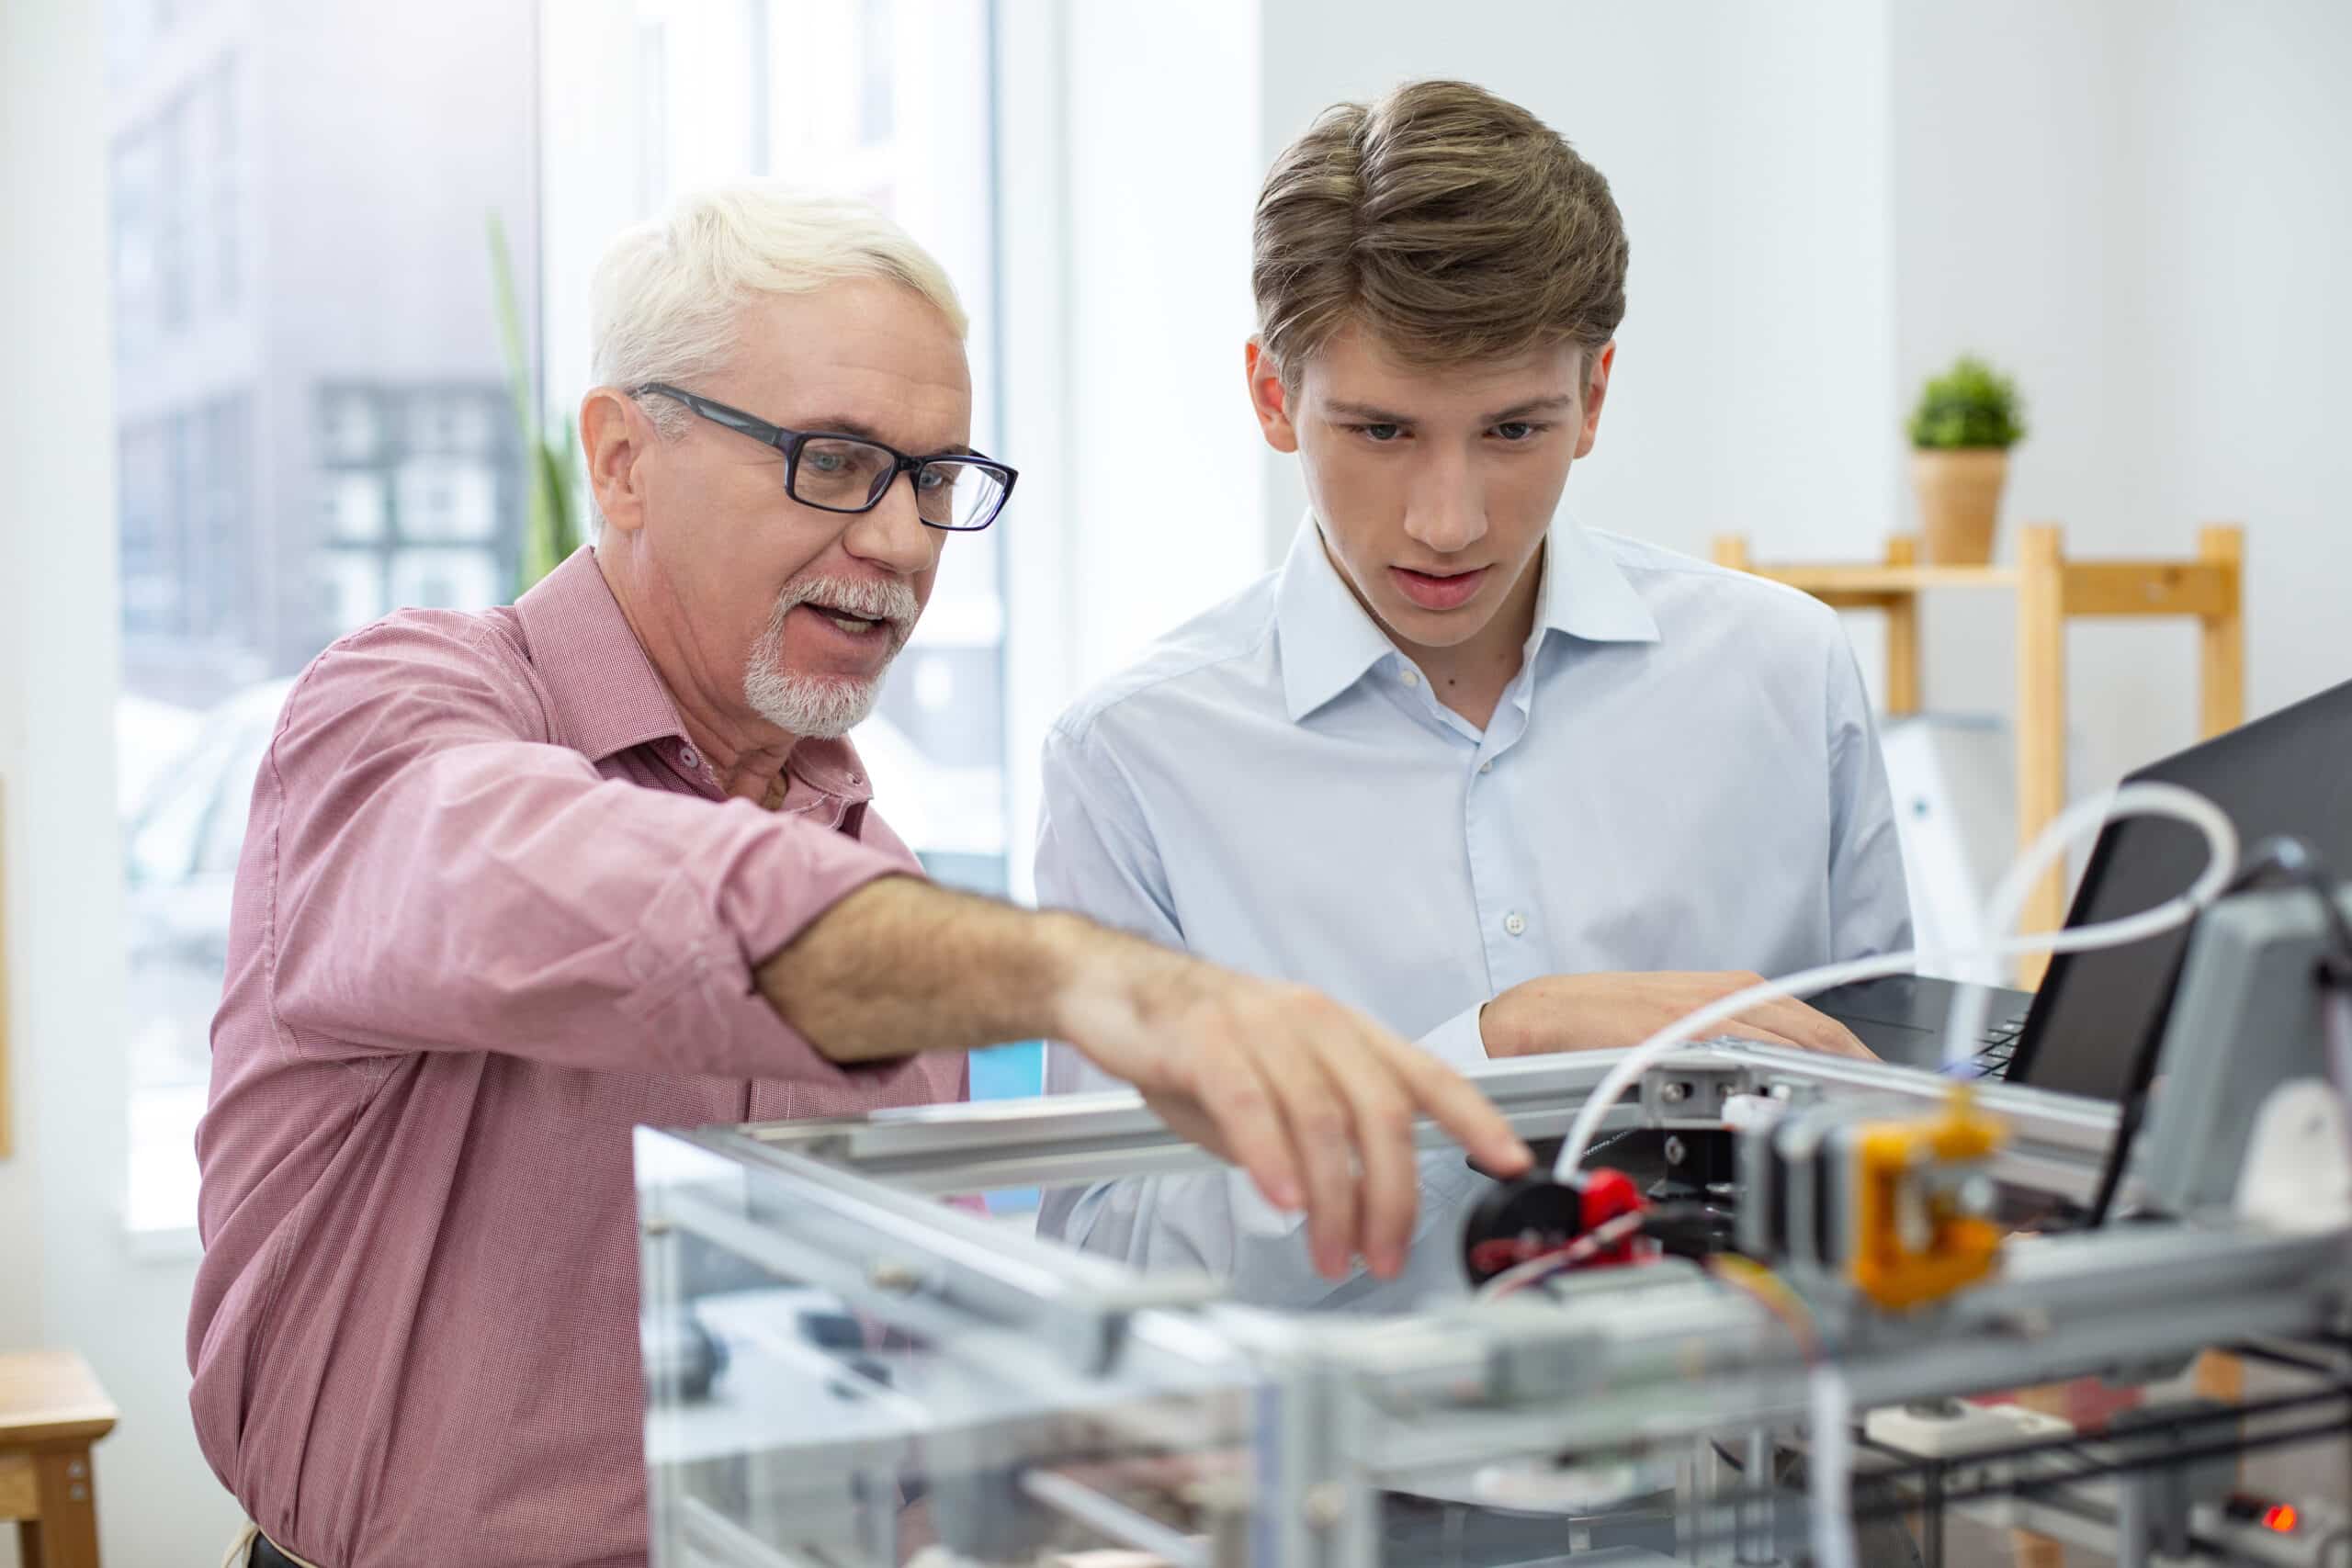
(1507, 785)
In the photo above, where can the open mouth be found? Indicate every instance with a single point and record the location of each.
(1436, 591)
(865, 641)
(856, 625)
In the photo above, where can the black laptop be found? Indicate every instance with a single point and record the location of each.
(2082, 1031)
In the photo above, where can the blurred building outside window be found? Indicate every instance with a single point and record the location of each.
(315, 426)
(312, 426)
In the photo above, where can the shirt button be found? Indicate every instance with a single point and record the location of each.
(1412, 677)
(1515, 924)
(1487, 766)
(690, 756)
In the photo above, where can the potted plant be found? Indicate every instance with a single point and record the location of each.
(1967, 420)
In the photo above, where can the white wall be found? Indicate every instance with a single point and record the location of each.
(2254, 420)
(25, 48)
(1127, 151)
(2141, 210)
(1162, 151)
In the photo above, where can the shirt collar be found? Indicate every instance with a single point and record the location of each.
(1328, 641)
(1587, 594)
(607, 695)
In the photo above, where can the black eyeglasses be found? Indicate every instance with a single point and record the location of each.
(956, 492)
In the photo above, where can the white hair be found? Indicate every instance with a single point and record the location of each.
(666, 299)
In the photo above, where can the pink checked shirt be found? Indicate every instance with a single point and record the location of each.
(493, 911)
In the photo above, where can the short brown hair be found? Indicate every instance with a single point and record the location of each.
(1453, 225)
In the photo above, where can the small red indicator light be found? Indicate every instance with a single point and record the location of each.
(2279, 1517)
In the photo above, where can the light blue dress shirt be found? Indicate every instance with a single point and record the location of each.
(1682, 776)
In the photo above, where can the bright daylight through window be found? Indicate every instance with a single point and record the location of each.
(317, 420)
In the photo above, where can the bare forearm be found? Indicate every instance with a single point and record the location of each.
(1315, 1100)
(902, 965)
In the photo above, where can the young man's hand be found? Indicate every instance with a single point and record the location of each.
(1316, 1101)
(1598, 1012)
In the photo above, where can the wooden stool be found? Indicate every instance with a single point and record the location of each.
(51, 1410)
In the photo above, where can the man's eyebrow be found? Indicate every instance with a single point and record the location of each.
(1558, 402)
(1367, 413)
(842, 424)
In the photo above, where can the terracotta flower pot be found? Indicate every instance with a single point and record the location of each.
(1959, 502)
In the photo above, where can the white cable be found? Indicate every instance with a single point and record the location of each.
(1966, 1028)
(1830, 1469)
(2008, 898)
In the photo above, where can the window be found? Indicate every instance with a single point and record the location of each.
(292, 464)
(298, 461)
(222, 221)
(405, 473)
(883, 101)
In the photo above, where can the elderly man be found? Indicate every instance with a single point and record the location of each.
(518, 880)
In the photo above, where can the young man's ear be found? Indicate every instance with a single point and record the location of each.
(612, 433)
(1269, 400)
(1598, 364)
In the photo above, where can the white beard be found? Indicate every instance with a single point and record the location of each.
(811, 706)
(823, 707)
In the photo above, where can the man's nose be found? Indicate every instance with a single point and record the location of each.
(1445, 506)
(892, 535)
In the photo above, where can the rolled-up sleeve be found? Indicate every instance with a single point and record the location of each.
(441, 876)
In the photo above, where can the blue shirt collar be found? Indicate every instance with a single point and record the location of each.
(1328, 640)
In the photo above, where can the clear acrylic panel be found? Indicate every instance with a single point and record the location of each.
(845, 1366)
(810, 1401)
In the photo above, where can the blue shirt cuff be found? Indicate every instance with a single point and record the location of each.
(1457, 1042)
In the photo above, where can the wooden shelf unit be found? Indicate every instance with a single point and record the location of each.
(2051, 591)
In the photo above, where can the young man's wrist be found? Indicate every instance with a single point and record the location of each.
(1493, 1031)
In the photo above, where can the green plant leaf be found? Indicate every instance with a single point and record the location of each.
(1971, 405)
(551, 526)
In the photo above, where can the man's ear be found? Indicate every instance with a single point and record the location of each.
(614, 436)
(1598, 364)
(1269, 400)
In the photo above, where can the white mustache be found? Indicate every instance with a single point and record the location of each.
(875, 599)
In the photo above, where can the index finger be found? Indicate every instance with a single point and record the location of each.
(1454, 1104)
